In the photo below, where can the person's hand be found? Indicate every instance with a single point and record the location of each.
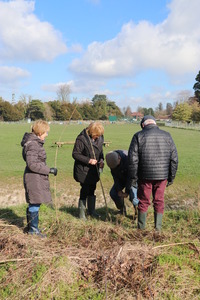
(101, 164)
(170, 182)
(92, 161)
(133, 196)
(121, 194)
(53, 171)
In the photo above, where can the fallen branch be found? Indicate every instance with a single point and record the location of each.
(23, 259)
(175, 244)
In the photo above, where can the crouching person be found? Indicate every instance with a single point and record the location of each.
(117, 161)
(88, 156)
(36, 181)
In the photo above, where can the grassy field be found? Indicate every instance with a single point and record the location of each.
(186, 185)
(106, 259)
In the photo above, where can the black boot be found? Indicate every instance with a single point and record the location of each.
(33, 224)
(26, 229)
(119, 202)
(123, 211)
(82, 209)
(91, 203)
(122, 207)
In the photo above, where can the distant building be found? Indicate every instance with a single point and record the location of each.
(137, 115)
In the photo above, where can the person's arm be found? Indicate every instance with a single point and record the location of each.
(32, 161)
(173, 163)
(77, 153)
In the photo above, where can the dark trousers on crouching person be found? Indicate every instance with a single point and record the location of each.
(119, 201)
(146, 188)
(88, 197)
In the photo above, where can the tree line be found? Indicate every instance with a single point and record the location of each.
(185, 109)
(98, 108)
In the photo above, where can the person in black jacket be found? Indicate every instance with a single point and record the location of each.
(117, 161)
(89, 158)
(153, 162)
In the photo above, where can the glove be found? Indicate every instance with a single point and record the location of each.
(133, 196)
(170, 182)
(53, 171)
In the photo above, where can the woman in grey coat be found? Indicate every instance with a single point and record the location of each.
(36, 181)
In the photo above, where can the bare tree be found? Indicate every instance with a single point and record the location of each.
(25, 98)
(63, 92)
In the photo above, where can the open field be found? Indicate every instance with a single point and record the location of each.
(106, 259)
(184, 191)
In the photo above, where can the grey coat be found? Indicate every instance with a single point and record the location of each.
(36, 179)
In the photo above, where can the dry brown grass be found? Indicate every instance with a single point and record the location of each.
(120, 263)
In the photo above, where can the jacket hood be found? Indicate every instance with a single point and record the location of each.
(28, 137)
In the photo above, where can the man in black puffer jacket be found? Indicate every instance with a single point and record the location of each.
(153, 162)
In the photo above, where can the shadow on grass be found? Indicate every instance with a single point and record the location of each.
(7, 215)
(106, 215)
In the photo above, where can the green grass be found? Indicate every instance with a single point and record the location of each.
(12, 166)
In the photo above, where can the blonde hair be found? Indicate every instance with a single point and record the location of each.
(95, 129)
(39, 127)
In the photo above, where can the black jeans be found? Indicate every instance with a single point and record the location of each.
(87, 190)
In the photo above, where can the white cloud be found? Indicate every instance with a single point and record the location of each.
(24, 37)
(12, 75)
(75, 48)
(172, 46)
(79, 86)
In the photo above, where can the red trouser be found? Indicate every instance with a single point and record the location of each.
(157, 188)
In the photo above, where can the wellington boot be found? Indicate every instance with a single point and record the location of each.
(91, 203)
(33, 224)
(142, 219)
(82, 209)
(158, 221)
(26, 229)
(123, 211)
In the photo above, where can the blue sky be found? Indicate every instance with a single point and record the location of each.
(138, 53)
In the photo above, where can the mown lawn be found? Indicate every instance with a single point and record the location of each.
(187, 182)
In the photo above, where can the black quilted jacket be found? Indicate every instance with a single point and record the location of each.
(82, 152)
(152, 155)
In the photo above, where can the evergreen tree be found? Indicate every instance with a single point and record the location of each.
(35, 110)
(196, 87)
